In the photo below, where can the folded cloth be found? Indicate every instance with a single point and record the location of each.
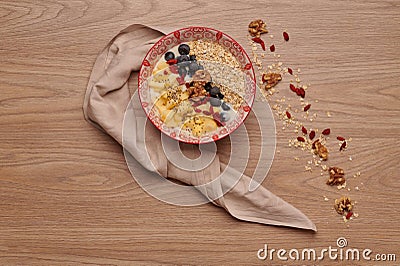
(107, 100)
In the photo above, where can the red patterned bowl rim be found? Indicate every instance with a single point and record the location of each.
(248, 67)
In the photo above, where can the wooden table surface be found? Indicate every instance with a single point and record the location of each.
(67, 197)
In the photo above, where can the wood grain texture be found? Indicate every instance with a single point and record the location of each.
(66, 195)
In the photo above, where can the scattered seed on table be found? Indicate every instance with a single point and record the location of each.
(272, 48)
(301, 139)
(285, 36)
(326, 131)
(340, 138)
(311, 135)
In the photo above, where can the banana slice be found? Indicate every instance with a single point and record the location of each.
(184, 96)
(161, 107)
(164, 96)
(171, 103)
(160, 66)
(157, 86)
(200, 125)
(169, 118)
(209, 125)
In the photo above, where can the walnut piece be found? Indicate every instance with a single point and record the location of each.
(336, 176)
(344, 204)
(320, 149)
(257, 27)
(271, 79)
(197, 89)
(201, 75)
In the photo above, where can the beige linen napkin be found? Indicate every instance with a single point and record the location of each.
(106, 101)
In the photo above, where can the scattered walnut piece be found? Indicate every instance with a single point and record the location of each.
(336, 176)
(271, 79)
(320, 149)
(257, 27)
(344, 204)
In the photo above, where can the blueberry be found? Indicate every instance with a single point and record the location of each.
(169, 56)
(185, 58)
(221, 96)
(182, 58)
(215, 102)
(224, 117)
(225, 106)
(214, 91)
(183, 49)
(205, 99)
(208, 86)
(193, 67)
(192, 57)
(182, 71)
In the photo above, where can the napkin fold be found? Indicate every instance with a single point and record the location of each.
(108, 99)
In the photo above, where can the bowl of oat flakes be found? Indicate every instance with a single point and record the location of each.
(197, 85)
